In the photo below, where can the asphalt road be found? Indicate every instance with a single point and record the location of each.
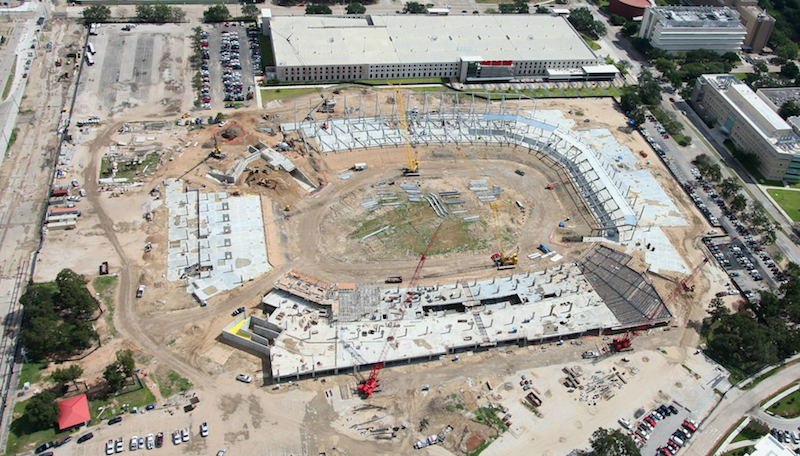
(733, 407)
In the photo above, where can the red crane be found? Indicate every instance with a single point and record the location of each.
(368, 386)
(624, 343)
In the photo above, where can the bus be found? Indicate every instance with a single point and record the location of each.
(90, 46)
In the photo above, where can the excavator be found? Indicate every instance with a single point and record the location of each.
(217, 152)
(412, 158)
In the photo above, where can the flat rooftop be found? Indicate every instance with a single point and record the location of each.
(779, 96)
(400, 39)
(697, 16)
(756, 112)
(308, 335)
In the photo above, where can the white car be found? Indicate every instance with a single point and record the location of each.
(244, 378)
(204, 430)
(120, 445)
(221, 452)
(185, 434)
(141, 442)
(134, 443)
(110, 447)
(176, 438)
(151, 441)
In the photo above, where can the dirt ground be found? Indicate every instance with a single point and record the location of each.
(169, 328)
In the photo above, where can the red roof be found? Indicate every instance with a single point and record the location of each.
(73, 411)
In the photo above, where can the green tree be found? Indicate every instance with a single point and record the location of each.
(113, 377)
(729, 187)
(583, 21)
(617, 20)
(251, 11)
(649, 90)
(542, 9)
(490, 11)
(96, 13)
(630, 28)
(216, 13)
(738, 203)
(70, 374)
(318, 9)
(760, 67)
(126, 362)
(630, 101)
(787, 51)
(790, 70)
(414, 8)
(613, 443)
(73, 301)
(522, 7)
(508, 8)
(788, 109)
(41, 411)
(356, 8)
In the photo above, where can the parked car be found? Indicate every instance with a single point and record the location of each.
(176, 438)
(204, 430)
(120, 445)
(159, 440)
(110, 447)
(85, 437)
(244, 378)
(185, 434)
(115, 420)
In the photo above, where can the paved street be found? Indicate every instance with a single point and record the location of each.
(735, 405)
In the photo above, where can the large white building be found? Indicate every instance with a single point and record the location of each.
(467, 48)
(687, 28)
(770, 446)
(750, 124)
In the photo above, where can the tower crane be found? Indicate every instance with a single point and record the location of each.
(624, 343)
(501, 259)
(412, 158)
(368, 386)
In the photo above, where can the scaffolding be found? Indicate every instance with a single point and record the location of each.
(456, 118)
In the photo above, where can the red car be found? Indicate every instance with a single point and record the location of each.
(650, 421)
(671, 99)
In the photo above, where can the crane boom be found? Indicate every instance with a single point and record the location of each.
(371, 383)
(412, 161)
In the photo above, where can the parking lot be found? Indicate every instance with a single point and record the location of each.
(230, 69)
(722, 248)
(663, 430)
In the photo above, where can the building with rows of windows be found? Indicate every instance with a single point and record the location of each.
(465, 48)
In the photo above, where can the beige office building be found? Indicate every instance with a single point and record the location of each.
(750, 123)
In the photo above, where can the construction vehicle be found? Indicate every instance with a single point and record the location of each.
(64, 75)
(501, 259)
(552, 186)
(217, 152)
(287, 208)
(368, 386)
(58, 62)
(268, 183)
(412, 158)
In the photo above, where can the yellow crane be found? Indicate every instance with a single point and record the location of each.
(412, 160)
(501, 259)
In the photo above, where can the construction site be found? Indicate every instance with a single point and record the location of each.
(396, 269)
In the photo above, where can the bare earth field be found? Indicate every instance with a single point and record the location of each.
(319, 236)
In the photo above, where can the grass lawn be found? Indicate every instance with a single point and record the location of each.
(788, 200)
(104, 287)
(174, 383)
(540, 93)
(752, 431)
(13, 138)
(132, 394)
(125, 170)
(788, 407)
(265, 43)
(591, 43)
(585, 92)
(739, 76)
(613, 91)
(20, 441)
(268, 95)
(405, 81)
(31, 372)
(10, 80)
(570, 92)
(740, 451)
